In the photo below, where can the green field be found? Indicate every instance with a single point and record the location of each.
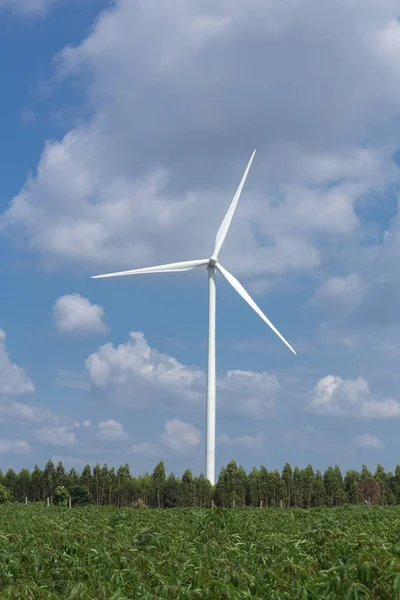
(351, 552)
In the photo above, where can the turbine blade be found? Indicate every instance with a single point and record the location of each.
(242, 292)
(171, 268)
(223, 230)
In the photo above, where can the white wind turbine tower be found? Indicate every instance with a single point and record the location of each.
(212, 265)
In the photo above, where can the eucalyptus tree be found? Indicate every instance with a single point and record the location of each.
(158, 480)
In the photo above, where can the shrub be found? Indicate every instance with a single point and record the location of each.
(4, 494)
(61, 496)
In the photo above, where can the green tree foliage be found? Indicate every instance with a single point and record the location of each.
(37, 485)
(187, 485)
(351, 486)
(144, 485)
(319, 492)
(79, 496)
(10, 481)
(396, 485)
(385, 482)
(72, 478)
(59, 477)
(61, 496)
(48, 479)
(172, 492)
(307, 485)
(274, 489)
(255, 494)
(287, 480)
(264, 485)
(4, 494)
(292, 488)
(231, 488)
(297, 494)
(203, 492)
(22, 485)
(123, 485)
(158, 481)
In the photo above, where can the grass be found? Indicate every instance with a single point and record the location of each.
(104, 553)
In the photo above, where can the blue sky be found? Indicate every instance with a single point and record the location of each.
(126, 128)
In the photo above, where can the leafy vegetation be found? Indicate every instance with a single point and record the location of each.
(61, 496)
(220, 554)
(4, 494)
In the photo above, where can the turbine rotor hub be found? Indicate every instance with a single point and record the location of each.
(212, 261)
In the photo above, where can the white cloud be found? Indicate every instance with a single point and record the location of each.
(20, 412)
(180, 436)
(340, 292)
(136, 375)
(111, 431)
(13, 379)
(249, 393)
(259, 287)
(146, 449)
(72, 379)
(56, 436)
(253, 442)
(366, 440)
(132, 373)
(172, 129)
(350, 397)
(76, 315)
(14, 447)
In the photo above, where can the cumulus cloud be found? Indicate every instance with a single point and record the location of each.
(335, 396)
(253, 442)
(259, 287)
(75, 314)
(299, 437)
(13, 379)
(21, 412)
(249, 393)
(136, 375)
(14, 447)
(111, 431)
(132, 373)
(179, 96)
(340, 292)
(56, 436)
(147, 449)
(380, 307)
(180, 436)
(72, 379)
(366, 440)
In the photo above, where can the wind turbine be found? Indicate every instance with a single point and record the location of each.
(212, 265)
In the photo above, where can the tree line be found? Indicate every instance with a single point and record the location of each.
(292, 487)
